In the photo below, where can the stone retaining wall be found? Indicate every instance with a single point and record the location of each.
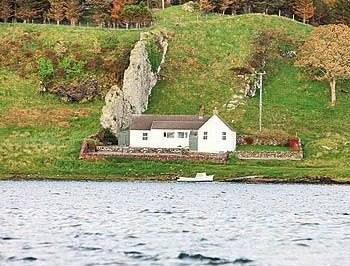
(269, 155)
(149, 153)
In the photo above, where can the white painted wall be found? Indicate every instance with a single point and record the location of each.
(136, 138)
(156, 139)
(215, 126)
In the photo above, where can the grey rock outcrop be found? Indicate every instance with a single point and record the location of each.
(137, 85)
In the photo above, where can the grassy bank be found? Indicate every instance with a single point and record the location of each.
(41, 135)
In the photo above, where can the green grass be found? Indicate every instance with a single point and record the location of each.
(262, 148)
(41, 136)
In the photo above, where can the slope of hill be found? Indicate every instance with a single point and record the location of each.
(41, 135)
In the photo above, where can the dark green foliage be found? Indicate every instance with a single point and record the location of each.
(137, 14)
(107, 137)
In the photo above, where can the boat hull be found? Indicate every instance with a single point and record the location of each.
(209, 178)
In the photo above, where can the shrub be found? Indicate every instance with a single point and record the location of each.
(107, 137)
(191, 7)
(294, 144)
(72, 68)
(46, 70)
(84, 91)
(248, 140)
(154, 54)
(91, 145)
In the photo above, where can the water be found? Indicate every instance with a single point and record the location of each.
(88, 223)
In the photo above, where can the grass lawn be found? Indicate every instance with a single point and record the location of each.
(262, 148)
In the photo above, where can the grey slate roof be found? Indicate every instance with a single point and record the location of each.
(185, 122)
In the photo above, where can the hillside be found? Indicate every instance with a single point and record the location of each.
(41, 135)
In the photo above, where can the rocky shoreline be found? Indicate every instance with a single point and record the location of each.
(324, 180)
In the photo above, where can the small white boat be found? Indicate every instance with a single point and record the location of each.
(200, 177)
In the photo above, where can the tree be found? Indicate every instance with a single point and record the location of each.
(73, 10)
(266, 6)
(5, 10)
(322, 12)
(224, 5)
(304, 9)
(101, 10)
(25, 10)
(117, 8)
(326, 54)
(56, 10)
(341, 12)
(206, 6)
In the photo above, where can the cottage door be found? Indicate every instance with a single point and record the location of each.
(124, 138)
(193, 145)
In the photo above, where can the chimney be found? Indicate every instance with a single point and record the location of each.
(201, 112)
(215, 111)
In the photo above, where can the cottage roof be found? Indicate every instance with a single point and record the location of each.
(186, 122)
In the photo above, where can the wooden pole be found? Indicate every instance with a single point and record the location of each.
(260, 98)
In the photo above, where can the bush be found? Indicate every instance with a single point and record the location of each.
(83, 91)
(91, 145)
(191, 7)
(72, 68)
(107, 137)
(154, 54)
(248, 140)
(294, 144)
(46, 70)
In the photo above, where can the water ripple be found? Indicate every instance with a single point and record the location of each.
(102, 223)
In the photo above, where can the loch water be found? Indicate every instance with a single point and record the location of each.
(145, 223)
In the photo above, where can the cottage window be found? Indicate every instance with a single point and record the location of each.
(224, 136)
(182, 135)
(170, 135)
(205, 135)
(145, 136)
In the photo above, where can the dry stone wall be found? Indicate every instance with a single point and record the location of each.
(101, 152)
(269, 155)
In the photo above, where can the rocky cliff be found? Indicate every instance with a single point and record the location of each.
(138, 82)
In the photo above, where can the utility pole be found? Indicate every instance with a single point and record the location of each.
(261, 96)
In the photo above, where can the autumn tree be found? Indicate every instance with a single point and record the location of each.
(206, 6)
(341, 12)
(101, 10)
(73, 11)
(304, 9)
(224, 5)
(56, 10)
(25, 10)
(116, 10)
(326, 54)
(322, 12)
(5, 10)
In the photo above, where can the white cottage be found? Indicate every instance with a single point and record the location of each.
(193, 132)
